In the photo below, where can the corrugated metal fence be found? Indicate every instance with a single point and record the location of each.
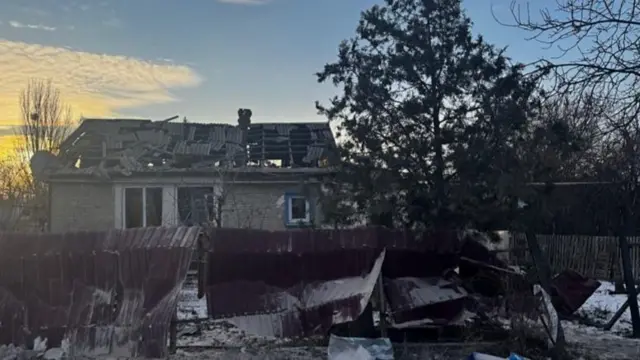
(592, 256)
(109, 293)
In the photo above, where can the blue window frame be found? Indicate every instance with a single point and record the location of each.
(297, 210)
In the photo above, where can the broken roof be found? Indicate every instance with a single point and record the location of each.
(129, 145)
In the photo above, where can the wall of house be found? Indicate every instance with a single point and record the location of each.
(81, 206)
(91, 206)
(262, 205)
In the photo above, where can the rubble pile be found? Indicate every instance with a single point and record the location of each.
(11, 352)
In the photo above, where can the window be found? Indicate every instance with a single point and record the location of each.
(196, 205)
(297, 210)
(142, 207)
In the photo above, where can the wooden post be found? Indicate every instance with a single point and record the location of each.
(382, 307)
(173, 333)
(625, 254)
(543, 271)
(616, 316)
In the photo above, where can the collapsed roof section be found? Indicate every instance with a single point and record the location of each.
(127, 145)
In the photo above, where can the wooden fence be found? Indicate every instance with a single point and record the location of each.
(593, 256)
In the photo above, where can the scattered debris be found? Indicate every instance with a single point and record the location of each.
(570, 290)
(342, 348)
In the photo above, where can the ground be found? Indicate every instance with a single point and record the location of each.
(220, 340)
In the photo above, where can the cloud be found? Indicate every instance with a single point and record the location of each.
(113, 22)
(35, 11)
(19, 25)
(245, 2)
(93, 84)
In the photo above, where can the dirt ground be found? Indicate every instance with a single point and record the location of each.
(601, 349)
(409, 352)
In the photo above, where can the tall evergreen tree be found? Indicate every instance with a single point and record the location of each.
(430, 117)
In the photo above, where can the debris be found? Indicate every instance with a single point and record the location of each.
(570, 290)
(54, 354)
(549, 316)
(479, 356)
(348, 348)
(123, 147)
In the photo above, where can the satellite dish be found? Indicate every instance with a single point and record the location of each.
(43, 162)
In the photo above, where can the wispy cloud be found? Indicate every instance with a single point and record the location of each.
(35, 11)
(19, 25)
(93, 84)
(245, 2)
(113, 22)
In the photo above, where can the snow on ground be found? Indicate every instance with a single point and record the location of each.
(601, 306)
(189, 306)
(212, 333)
(599, 309)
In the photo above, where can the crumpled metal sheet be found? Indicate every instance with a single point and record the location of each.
(109, 293)
(435, 299)
(301, 282)
(303, 309)
(570, 290)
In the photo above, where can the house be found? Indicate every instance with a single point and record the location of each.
(122, 173)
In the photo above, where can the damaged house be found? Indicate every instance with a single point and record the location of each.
(120, 173)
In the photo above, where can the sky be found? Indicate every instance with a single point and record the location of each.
(202, 59)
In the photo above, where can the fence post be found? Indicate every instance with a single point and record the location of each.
(382, 307)
(543, 271)
(625, 254)
(173, 333)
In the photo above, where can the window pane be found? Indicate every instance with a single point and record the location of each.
(298, 208)
(196, 205)
(133, 207)
(154, 206)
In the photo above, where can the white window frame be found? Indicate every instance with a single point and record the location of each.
(170, 215)
(144, 203)
(167, 217)
(302, 221)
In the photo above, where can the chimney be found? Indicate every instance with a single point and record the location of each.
(244, 121)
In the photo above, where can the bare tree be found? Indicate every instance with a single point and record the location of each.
(600, 58)
(13, 191)
(46, 119)
(598, 49)
(46, 122)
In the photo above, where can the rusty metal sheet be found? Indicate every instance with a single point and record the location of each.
(109, 293)
(300, 282)
(570, 290)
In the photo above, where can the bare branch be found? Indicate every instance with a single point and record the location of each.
(46, 119)
(598, 45)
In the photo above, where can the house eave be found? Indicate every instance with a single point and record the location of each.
(234, 174)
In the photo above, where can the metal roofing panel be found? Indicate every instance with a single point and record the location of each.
(308, 280)
(434, 298)
(70, 284)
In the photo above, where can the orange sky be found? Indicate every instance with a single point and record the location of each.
(93, 84)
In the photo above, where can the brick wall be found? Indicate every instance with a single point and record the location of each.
(78, 206)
